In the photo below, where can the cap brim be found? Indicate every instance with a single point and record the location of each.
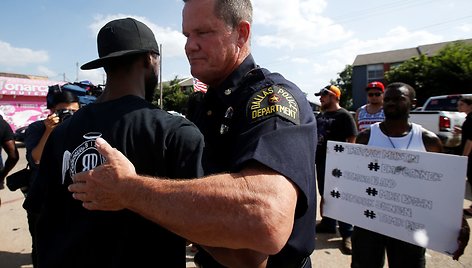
(318, 94)
(98, 63)
(369, 88)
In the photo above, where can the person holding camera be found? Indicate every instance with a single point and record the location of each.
(62, 105)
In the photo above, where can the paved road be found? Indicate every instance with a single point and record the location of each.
(15, 241)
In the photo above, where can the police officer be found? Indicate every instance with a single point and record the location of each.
(256, 205)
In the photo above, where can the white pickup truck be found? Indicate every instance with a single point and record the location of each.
(439, 114)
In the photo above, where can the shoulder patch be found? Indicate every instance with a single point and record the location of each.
(273, 101)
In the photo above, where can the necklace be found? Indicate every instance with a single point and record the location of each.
(409, 141)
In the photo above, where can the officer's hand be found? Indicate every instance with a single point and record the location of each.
(105, 187)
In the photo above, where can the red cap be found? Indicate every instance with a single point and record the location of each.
(376, 85)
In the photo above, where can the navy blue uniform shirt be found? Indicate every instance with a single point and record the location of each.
(256, 115)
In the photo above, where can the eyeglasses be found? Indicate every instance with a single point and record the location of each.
(374, 94)
(325, 92)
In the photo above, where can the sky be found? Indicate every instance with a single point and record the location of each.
(307, 41)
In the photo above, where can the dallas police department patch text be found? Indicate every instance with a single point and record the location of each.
(271, 101)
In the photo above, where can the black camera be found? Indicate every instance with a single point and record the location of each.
(64, 114)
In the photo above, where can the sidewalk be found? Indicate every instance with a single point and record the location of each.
(15, 240)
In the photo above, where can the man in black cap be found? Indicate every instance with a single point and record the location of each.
(156, 142)
(256, 205)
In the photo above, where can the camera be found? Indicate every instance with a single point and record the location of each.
(64, 114)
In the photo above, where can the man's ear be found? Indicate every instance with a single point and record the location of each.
(244, 33)
(413, 104)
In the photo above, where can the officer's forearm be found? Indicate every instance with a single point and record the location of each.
(253, 211)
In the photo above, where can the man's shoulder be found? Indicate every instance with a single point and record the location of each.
(276, 96)
(431, 141)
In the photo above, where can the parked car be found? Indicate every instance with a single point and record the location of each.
(439, 114)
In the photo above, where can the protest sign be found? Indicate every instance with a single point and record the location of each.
(412, 196)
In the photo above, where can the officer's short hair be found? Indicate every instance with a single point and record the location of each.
(232, 12)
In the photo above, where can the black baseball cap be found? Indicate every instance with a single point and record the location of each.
(122, 37)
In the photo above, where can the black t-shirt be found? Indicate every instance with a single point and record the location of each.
(259, 116)
(466, 131)
(335, 126)
(467, 135)
(156, 142)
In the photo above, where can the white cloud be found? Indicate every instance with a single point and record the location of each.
(296, 24)
(43, 70)
(13, 56)
(172, 41)
(466, 28)
(96, 76)
(324, 63)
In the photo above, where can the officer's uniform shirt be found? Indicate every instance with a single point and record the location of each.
(258, 116)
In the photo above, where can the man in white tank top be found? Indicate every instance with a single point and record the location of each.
(372, 112)
(368, 248)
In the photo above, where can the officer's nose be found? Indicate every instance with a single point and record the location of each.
(191, 45)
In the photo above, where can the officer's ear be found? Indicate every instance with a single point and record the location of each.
(244, 32)
(413, 104)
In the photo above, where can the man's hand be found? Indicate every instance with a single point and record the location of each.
(462, 240)
(104, 187)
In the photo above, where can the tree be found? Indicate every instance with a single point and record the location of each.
(173, 98)
(448, 72)
(344, 82)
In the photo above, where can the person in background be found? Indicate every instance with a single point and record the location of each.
(372, 112)
(256, 205)
(7, 138)
(62, 106)
(465, 105)
(368, 247)
(336, 124)
(156, 142)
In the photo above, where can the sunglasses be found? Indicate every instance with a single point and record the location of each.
(325, 92)
(374, 94)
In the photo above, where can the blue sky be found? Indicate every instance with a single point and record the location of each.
(308, 41)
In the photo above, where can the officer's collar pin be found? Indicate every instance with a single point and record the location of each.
(228, 91)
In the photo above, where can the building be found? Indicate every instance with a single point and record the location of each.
(23, 98)
(372, 67)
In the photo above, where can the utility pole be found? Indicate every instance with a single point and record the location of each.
(161, 104)
(77, 71)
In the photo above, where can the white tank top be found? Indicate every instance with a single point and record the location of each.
(366, 119)
(413, 141)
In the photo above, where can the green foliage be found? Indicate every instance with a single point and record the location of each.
(448, 72)
(174, 99)
(344, 82)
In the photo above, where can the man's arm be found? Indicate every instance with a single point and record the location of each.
(253, 209)
(50, 123)
(12, 157)
(8, 144)
(351, 139)
(467, 148)
(431, 142)
(356, 118)
(363, 137)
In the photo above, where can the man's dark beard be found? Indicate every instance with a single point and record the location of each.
(396, 115)
(150, 86)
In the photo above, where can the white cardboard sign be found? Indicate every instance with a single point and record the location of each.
(412, 196)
